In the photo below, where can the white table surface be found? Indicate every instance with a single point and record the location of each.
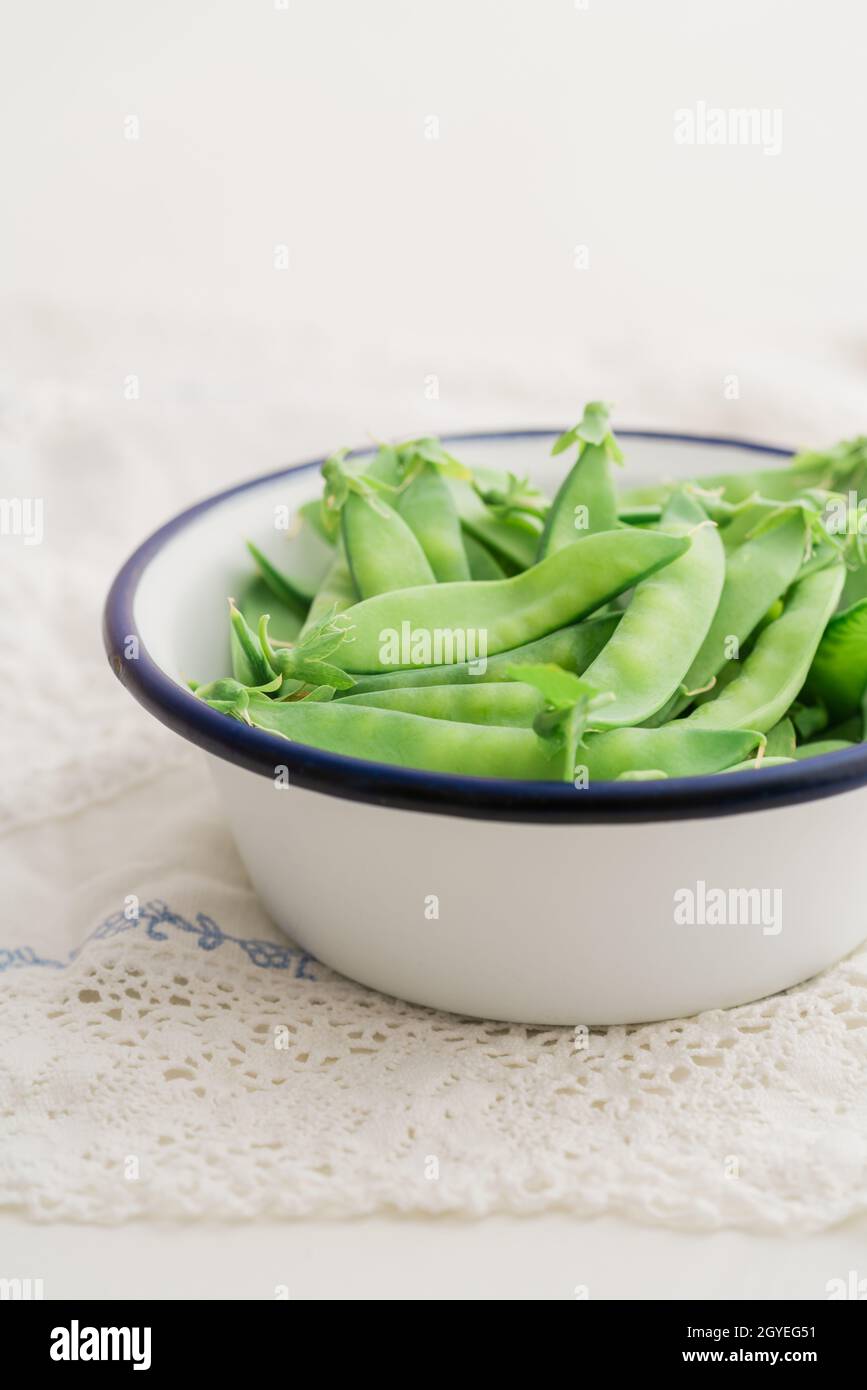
(541, 1257)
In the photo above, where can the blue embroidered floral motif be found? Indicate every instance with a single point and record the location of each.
(155, 917)
(22, 956)
(267, 954)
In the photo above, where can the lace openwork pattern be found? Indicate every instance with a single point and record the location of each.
(171, 1068)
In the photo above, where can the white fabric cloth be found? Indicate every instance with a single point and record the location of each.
(143, 1069)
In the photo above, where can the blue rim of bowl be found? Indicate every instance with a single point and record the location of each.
(438, 793)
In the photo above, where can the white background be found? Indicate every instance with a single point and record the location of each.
(306, 126)
(410, 258)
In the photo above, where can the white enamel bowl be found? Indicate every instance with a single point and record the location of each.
(530, 902)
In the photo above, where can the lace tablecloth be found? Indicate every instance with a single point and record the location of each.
(166, 1052)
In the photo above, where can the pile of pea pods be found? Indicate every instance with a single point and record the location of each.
(456, 620)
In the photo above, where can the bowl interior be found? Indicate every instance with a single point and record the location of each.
(180, 602)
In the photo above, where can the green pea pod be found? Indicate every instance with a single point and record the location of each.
(776, 668)
(486, 675)
(307, 662)
(782, 740)
(226, 695)
(289, 591)
(336, 593)
(638, 515)
(505, 494)
(809, 720)
(673, 750)
(513, 540)
(250, 665)
(586, 501)
(838, 675)
(585, 504)
(382, 552)
(316, 692)
(855, 587)
(344, 473)
(757, 573)
(409, 740)
(386, 466)
(775, 611)
(428, 508)
(311, 515)
(663, 627)
(483, 565)
(822, 553)
(756, 764)
(572, 647)
(849, 731)
(746, 516)
(826, 745)
(495, 702)
(400, 630)
(429, 451)
(838, 468)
